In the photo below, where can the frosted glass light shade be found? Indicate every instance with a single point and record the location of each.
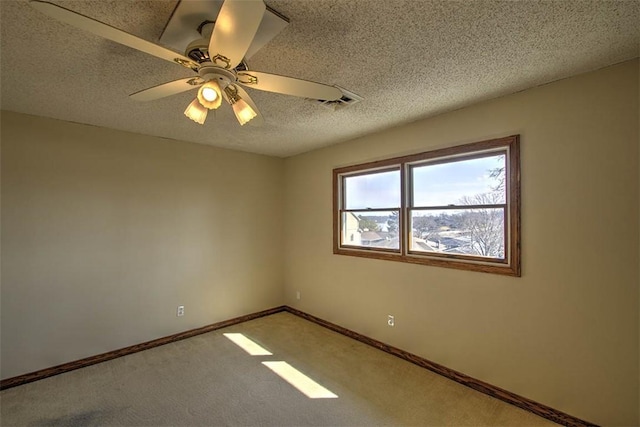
(196, 112)
(210, 95)
(243, 111)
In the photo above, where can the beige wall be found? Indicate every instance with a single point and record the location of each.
(105, 233)
(565, 333)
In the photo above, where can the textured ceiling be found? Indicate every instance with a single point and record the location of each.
(408, 59)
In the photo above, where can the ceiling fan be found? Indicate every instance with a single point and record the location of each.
(218, 61)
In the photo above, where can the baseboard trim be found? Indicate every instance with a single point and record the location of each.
(77, 364)
(491, 390)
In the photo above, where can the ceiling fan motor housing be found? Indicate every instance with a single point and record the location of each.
(198, 50)
(224, 77)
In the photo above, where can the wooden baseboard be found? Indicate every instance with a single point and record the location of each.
(491, 390)
(77, 364)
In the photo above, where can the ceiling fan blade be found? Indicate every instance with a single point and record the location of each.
(108, 32)
(288, 85)
(258, 120)
(236, 25)
(167, 89)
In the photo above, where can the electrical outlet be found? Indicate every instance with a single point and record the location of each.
(180, 311)
(297, 294)
(391, 320)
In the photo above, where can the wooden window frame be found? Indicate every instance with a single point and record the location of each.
(510, 265)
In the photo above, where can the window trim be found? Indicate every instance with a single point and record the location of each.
(511, 263)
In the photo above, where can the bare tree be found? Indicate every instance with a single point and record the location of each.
(499, 174)
(365, 223)
(425, 227)
(392, 222)
(484, 225)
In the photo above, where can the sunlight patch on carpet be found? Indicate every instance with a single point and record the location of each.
(247, 345)
(306, 385)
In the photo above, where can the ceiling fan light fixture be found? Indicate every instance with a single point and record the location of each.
(196, 112)
(210, 95)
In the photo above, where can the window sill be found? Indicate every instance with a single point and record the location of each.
(493, 267)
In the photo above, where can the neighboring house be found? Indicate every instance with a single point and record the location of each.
(373, 238)
(423, 245)
(351, 233)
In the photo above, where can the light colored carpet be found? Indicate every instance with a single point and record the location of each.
(209, 380)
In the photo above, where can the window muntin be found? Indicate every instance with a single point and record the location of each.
(456, 207)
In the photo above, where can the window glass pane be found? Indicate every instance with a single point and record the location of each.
(466, 182)
(477, 232)
(373, 191)
(371, 229)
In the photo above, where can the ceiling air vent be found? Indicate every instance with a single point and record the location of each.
(347, 99)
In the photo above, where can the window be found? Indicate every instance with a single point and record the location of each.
(457, 207)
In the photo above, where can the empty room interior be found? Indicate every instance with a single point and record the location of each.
(328, 212)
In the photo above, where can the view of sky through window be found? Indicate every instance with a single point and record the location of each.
(373, 191)
(433, 185)
(448, 183)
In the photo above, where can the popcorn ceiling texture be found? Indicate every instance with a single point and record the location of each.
(408, 59)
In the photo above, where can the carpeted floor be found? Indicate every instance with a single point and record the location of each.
(209, 380)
